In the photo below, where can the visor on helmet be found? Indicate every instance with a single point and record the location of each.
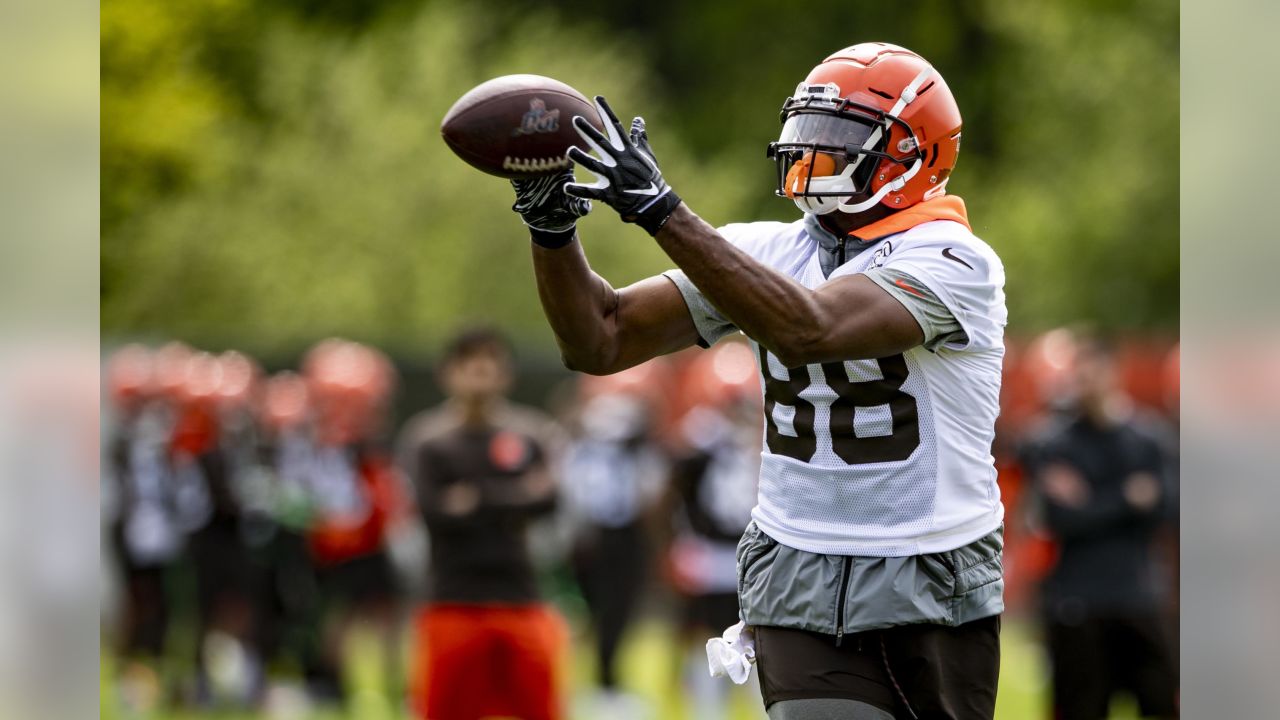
(825, 155)
(824, 130)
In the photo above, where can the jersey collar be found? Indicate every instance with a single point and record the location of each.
(834, 251)
(947, 207)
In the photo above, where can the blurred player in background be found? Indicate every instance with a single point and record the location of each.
(356, 497)
(1104, 473)
(708, 505)
(207, 466)
(612, 476)
(486, 645)
(871, 572)
(143, 529)
(290, 597)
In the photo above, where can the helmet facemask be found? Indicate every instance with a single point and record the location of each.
(830, 149)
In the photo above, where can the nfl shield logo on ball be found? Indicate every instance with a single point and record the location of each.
(539, 119)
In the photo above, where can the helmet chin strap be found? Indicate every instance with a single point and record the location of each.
(892, 186)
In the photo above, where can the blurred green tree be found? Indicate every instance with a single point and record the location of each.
(343, 212)
(272, 172)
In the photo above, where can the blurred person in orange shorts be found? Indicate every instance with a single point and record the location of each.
(486, 646)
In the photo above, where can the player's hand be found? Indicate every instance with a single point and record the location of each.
(460, 499)
(1142, 491)
(628, 178)
(1065, 486)
(543, 205)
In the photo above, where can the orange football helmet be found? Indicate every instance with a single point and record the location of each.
(131, 375)
(872, 124)
(349, 386)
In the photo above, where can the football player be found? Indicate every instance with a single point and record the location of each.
(612, 473)
(357, 499)
(871, 572)
(708, 505)
(142, 518)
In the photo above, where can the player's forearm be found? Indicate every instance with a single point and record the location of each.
(579, 305)
(1099, 515)
(777, 312)
(532, 494)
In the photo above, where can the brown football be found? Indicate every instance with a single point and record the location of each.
(516, 126)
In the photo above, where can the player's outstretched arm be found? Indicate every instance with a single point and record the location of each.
(847, 318)
(599, 330)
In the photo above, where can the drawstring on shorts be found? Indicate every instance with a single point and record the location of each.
(884, 654)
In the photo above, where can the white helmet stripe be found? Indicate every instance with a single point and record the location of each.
(908, 95)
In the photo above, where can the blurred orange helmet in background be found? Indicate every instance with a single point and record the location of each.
(239, 381)
(349, 385)
(202, 379)
(131, 375)
(284, 402)
(171, 368)
(194, 387)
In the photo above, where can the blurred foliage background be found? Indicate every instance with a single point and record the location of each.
(272, 170)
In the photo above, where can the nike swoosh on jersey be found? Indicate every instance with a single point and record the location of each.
(946, 253)
(651, 190)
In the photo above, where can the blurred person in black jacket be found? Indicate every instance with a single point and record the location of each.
(486, 645)
(1105, 474)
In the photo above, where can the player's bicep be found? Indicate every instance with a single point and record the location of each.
(862, 320)
(651, 319)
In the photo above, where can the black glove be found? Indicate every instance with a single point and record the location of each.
(628, 177)
(547, 210)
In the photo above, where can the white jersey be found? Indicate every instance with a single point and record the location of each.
(888, 457)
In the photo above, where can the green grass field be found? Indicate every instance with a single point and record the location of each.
(649, 666)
